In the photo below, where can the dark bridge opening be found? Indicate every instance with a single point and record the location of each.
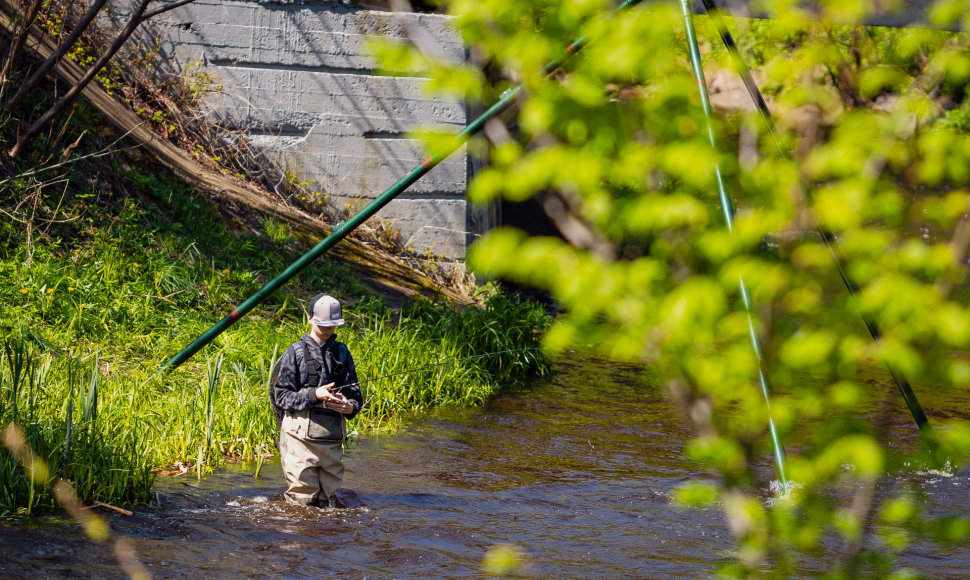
(528, 216)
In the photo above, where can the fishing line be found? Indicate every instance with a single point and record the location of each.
(433, 365)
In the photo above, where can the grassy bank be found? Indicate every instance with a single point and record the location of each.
(101, 287)
(105, 426)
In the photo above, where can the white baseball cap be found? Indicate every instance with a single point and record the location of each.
(324, 310)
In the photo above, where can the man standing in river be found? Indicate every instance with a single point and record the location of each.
(316, 389)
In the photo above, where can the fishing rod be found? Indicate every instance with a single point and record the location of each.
(905, 389)
(430, 366)
(342, 229)
(727, 209)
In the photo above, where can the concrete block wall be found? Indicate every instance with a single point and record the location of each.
(297, 79)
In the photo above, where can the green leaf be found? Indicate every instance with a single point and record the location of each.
(808, 349)
(696, 494)
(719, 453)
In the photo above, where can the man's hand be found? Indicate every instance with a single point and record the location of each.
(334, 401)
(323, 392)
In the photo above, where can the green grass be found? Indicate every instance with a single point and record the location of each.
(63, 428)
(121, 418)
(95, 302)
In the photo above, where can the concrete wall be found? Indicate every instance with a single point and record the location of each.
(297, 79)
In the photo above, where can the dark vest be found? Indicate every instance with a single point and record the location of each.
(316, 366)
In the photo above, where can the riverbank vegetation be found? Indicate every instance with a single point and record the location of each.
(89, 319)
(866, 160)
(111, 265)
(108, 422)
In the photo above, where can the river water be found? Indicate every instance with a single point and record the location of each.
(577, 472)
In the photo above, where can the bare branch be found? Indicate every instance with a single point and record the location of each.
(141, 14)
(53, 59)
(101, 153)
(19, 40)
(575, 230)
(162, 9)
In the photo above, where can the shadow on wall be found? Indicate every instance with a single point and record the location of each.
(298, 82)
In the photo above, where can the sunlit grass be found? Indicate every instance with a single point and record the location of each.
(57, 404)
(106, 426)
(88, 324)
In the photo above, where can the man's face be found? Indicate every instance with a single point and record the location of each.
(323, 332)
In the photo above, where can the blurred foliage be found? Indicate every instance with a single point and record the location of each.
(869, 145)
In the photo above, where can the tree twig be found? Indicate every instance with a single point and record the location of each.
(165, 298)
(102, 153)
(108, 506)
(61, 50)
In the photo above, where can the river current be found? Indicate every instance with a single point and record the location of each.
(577, 472)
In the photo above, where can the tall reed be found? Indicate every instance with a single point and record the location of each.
(38, 394)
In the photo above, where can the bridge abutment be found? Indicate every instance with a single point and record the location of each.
(297, 81)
